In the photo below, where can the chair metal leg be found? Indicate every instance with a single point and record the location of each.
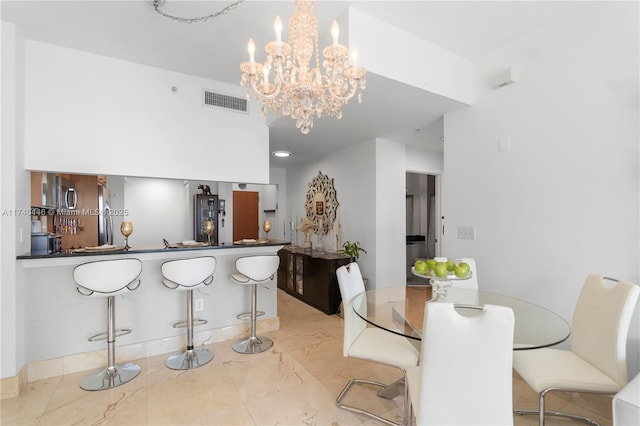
(253, 344)
(394, 389)
(542, 413)
(114, 375)
(192, 357)
(381, 393)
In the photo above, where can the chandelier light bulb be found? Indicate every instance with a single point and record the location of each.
(251, 47)
(354, 59)
(277, 25)
(335, 32)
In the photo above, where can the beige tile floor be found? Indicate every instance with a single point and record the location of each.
(295, 383)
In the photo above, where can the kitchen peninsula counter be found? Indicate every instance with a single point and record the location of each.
(58, 320)
(152, 249)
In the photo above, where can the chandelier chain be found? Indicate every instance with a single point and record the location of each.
(157, 4)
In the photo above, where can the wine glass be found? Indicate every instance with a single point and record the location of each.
(266, 225)
(126, 229)
(207, 228)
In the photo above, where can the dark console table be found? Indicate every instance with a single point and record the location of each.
(311, 276)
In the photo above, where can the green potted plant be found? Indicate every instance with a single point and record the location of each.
(352, 250)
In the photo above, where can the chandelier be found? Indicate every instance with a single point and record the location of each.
(299, 89)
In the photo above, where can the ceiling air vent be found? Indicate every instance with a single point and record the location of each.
(225, 101)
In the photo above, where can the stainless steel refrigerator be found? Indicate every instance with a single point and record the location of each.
(105, 219)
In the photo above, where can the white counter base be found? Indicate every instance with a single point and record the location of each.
(626, 404)
(96, 359)
(58, 320)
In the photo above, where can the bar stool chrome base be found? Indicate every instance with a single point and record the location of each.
(110, 377)
(191, 358)
(253, 345)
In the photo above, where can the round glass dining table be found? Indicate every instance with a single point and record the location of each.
(400, 310)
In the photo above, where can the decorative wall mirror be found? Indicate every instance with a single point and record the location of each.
(322, 203)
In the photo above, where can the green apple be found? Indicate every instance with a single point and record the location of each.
(430, 264)
(440, 269)
(420, 266)
(451, 265)
(462, 269)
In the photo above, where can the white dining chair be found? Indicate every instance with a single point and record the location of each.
(596, 362)
(465, 374)
(368, 343)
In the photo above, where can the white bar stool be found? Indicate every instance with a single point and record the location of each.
(107, 278)
(188, 275)
(254, 271)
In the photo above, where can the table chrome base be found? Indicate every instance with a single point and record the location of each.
(110, 377)
(191, 358)
(253, 345)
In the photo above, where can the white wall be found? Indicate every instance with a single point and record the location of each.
(281, 230)
(353, 172)
(390, 230)
(394, 53)
(92, 114)
(564, 201)
(157, 208)
(420, 160)
(14, 197)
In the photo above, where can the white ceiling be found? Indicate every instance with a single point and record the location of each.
(133, 31)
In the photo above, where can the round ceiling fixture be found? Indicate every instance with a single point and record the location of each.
(281, 154)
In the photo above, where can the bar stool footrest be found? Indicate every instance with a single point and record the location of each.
(183, 324)
(103, 336)
(247, 315)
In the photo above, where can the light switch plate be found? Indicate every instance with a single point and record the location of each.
(466, 232)
(504, 144)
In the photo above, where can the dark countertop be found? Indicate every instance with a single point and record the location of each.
(151, 249)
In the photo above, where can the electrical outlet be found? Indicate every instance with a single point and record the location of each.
(199, 305)
(466, 232)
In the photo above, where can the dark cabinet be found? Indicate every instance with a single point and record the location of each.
(311, 277)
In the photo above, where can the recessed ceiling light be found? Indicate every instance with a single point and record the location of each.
(281, 154)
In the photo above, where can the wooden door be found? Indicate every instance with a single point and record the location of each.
(245, 215)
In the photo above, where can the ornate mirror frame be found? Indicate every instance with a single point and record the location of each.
(322, 203)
